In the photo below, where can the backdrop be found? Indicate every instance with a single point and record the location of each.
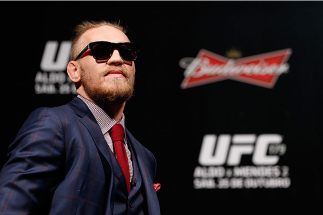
(228, 95)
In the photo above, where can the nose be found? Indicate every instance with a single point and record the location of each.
(115, 59)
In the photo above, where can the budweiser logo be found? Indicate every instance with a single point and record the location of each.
(262, 70)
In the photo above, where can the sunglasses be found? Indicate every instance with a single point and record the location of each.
(103, 50)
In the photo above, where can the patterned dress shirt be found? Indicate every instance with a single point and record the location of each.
(106, 123)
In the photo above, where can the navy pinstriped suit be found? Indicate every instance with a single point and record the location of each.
(60, 164)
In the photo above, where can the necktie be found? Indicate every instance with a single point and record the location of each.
(117, 136)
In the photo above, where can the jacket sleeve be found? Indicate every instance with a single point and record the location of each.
(28, 179)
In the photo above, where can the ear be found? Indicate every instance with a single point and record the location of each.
(73, 71)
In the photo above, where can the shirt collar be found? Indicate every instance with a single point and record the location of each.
(104, 120)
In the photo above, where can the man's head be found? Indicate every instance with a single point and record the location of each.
(105, 80)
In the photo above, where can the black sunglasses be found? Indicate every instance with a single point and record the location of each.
(102, 50)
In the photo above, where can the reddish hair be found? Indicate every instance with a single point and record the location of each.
(86, 25)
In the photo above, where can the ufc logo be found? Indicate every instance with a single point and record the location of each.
(264, 149)
(55, 60)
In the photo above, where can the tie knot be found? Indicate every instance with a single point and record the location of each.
(117, 133)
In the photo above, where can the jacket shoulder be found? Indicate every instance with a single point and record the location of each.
(53, 115)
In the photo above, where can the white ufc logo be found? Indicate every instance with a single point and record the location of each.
(265, 149)
(54, 60)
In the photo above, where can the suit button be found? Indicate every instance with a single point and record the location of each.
(130, 205)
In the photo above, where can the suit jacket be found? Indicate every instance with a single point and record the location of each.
(60, 164)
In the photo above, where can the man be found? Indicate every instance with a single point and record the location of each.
(74, 159)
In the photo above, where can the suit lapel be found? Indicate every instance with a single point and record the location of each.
(152, 199)
(88, 120)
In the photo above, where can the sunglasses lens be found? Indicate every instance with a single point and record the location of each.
(102, 51)
(128, 52)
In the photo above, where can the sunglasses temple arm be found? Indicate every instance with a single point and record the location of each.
(82, 52)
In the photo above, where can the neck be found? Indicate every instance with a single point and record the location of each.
(113, 109)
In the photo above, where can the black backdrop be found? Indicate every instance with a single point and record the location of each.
(172, 121)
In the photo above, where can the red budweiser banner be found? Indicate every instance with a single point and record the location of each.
(262, 70)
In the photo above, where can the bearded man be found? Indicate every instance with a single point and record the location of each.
(79, 158)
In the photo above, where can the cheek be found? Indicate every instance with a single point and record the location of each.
(90, 75)
(132, 70)
(95, 80)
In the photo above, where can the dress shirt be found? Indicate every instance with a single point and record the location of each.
(106, 123)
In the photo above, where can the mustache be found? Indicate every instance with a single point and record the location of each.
(115, 69)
